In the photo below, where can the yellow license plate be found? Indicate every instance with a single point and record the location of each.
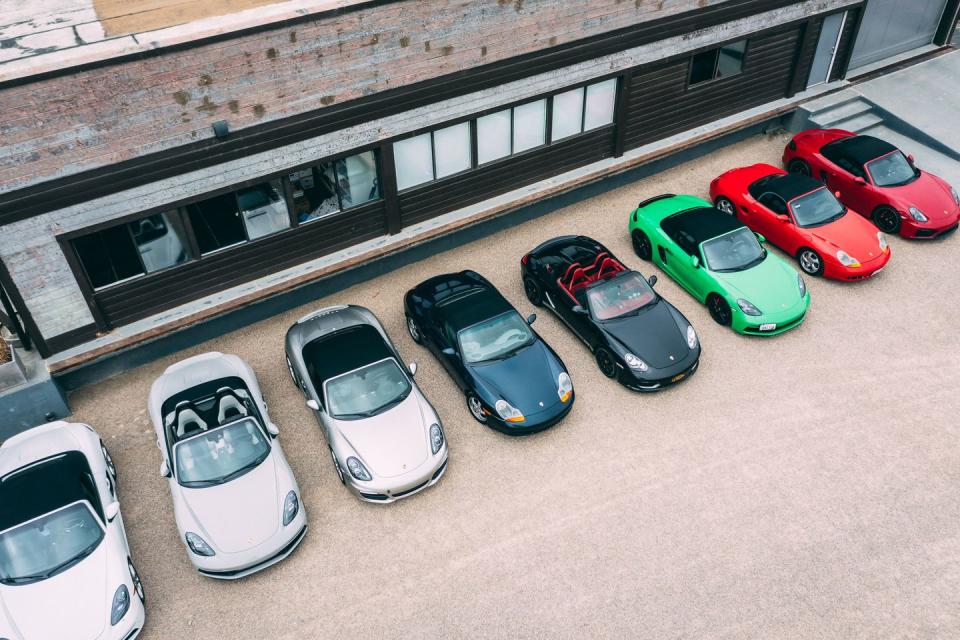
(677, 378)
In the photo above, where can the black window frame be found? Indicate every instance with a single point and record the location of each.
(715, 51)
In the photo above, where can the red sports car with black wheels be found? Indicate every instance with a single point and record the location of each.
(876, 179)
(803, 218)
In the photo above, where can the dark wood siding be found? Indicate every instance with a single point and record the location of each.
(661, 104)
(845, 44)
(439, 197)
(145, 296)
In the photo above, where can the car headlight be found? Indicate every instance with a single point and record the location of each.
(121, 604)
(436, 438)
(634, 362)
(802, 286)
(955, 194)
(747, 307)
(882, 239)
(357, 470)
(508, 412)
(917, 215)
(846, 259)
(564, 386)
(291, 505)
(691, 337)
(198, 545)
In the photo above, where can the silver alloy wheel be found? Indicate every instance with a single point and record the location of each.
(726, 206)
(413, 329)
(108, 459)
(137, 583)
(810, 262)
(476, 408)
(293, 376)
(336, 466)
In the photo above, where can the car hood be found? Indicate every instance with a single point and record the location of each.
(240, 514)
(771, 286)
(851, 233)
(69, 605)
(652, 335)
(927, 193)
(393, 442)
(527, 379)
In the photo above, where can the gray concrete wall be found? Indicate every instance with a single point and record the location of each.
(40, 270)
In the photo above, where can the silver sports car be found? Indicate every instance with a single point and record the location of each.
(384, 436)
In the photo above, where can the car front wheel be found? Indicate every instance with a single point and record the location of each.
(719, 309)
(641, 245)
(336, 466)
(293, 376)
(606, 363)
(414, 330)
(800, 167)
(810, 261)
(532, 289)
(137, 583)
(887, 220)
(476, 408)
(108, 461)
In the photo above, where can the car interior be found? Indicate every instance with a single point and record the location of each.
(190, 417)
(577, 277)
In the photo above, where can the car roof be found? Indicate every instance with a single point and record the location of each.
(860, 149)
(344, 350)
(476, 304)
(40, 487)
(700, 224)
(787, 186)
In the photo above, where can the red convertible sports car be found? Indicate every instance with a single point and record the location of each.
(800, 216)
(877, 180)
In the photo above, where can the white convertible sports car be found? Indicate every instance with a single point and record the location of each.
(235, 499)
(65, 568)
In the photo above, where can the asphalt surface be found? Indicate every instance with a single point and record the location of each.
(800, 486)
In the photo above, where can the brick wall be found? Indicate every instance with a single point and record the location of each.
(93, 118)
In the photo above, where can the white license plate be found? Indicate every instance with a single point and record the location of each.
(770, 326)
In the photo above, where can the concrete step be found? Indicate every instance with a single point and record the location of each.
(858, 122)
(827, 117)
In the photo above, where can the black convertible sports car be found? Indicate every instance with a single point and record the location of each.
(513, 381)
(636, 336)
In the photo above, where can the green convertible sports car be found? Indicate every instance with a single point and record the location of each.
(721, 263)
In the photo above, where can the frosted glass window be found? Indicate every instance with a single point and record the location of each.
(567, 114)
(600, 104)
(529, 125)
(357, 180)
(413, 158)
(493, 136)
(451, 147)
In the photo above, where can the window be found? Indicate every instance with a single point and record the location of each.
(413, 158)
(357, 179)
(128, 250)
(583, 109)
(718, 63)
(511, 131)
(567, 114)
(451, 148)
(233, 218)
(601, 102)
(433, 155)
(529, 125)
(328, 188)
(263, 209)
(493, 136)
(774, 203)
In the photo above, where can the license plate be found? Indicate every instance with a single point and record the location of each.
(770, 326)
(678, 377)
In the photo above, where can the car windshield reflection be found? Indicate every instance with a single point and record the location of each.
(495, 339)
(366, 391)
(222, 454)
(621, 296)
(734, 251)
(816, 208)
(891, 170)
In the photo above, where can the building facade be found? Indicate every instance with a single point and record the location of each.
(135, 186)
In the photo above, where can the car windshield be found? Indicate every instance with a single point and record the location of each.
(891, 170)
(816, 208)
(621, 296)
(495, 339)
(222, 454)
(734, 251)
(47, 545)
(366, 391)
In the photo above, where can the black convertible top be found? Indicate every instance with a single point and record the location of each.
(787, 186)
(859, 149)
(46, 486)
(462, 299)
(342, 351)
(699, 224)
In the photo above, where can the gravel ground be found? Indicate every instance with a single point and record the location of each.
(804, 485)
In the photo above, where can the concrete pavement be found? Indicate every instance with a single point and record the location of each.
(802, 486)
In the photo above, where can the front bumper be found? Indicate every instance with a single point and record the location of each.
(233, 566)
(393, 489)
(781, 321)
(649, 385)
(836, 271)
(534, 422)
(910, 228)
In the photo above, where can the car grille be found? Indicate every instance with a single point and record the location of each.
(375, 496)
(409, 491)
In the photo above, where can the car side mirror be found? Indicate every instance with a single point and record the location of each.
(413, 368)
(695, 262)
(652, 280)
(837, 194)
(531, 318)
(761, 239)
(112, 511)
(273, 430)
(910, 159)
(449, 351)
(860, 181)
(164, 470)
(311, 403)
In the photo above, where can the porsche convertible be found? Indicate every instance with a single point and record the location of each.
(721, 263)
(877, 180)
(636, 336)
(801, 217)
(511, 379)
(385, 438)
(235, 499)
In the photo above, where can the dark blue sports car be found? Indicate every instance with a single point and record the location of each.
(513, 381)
